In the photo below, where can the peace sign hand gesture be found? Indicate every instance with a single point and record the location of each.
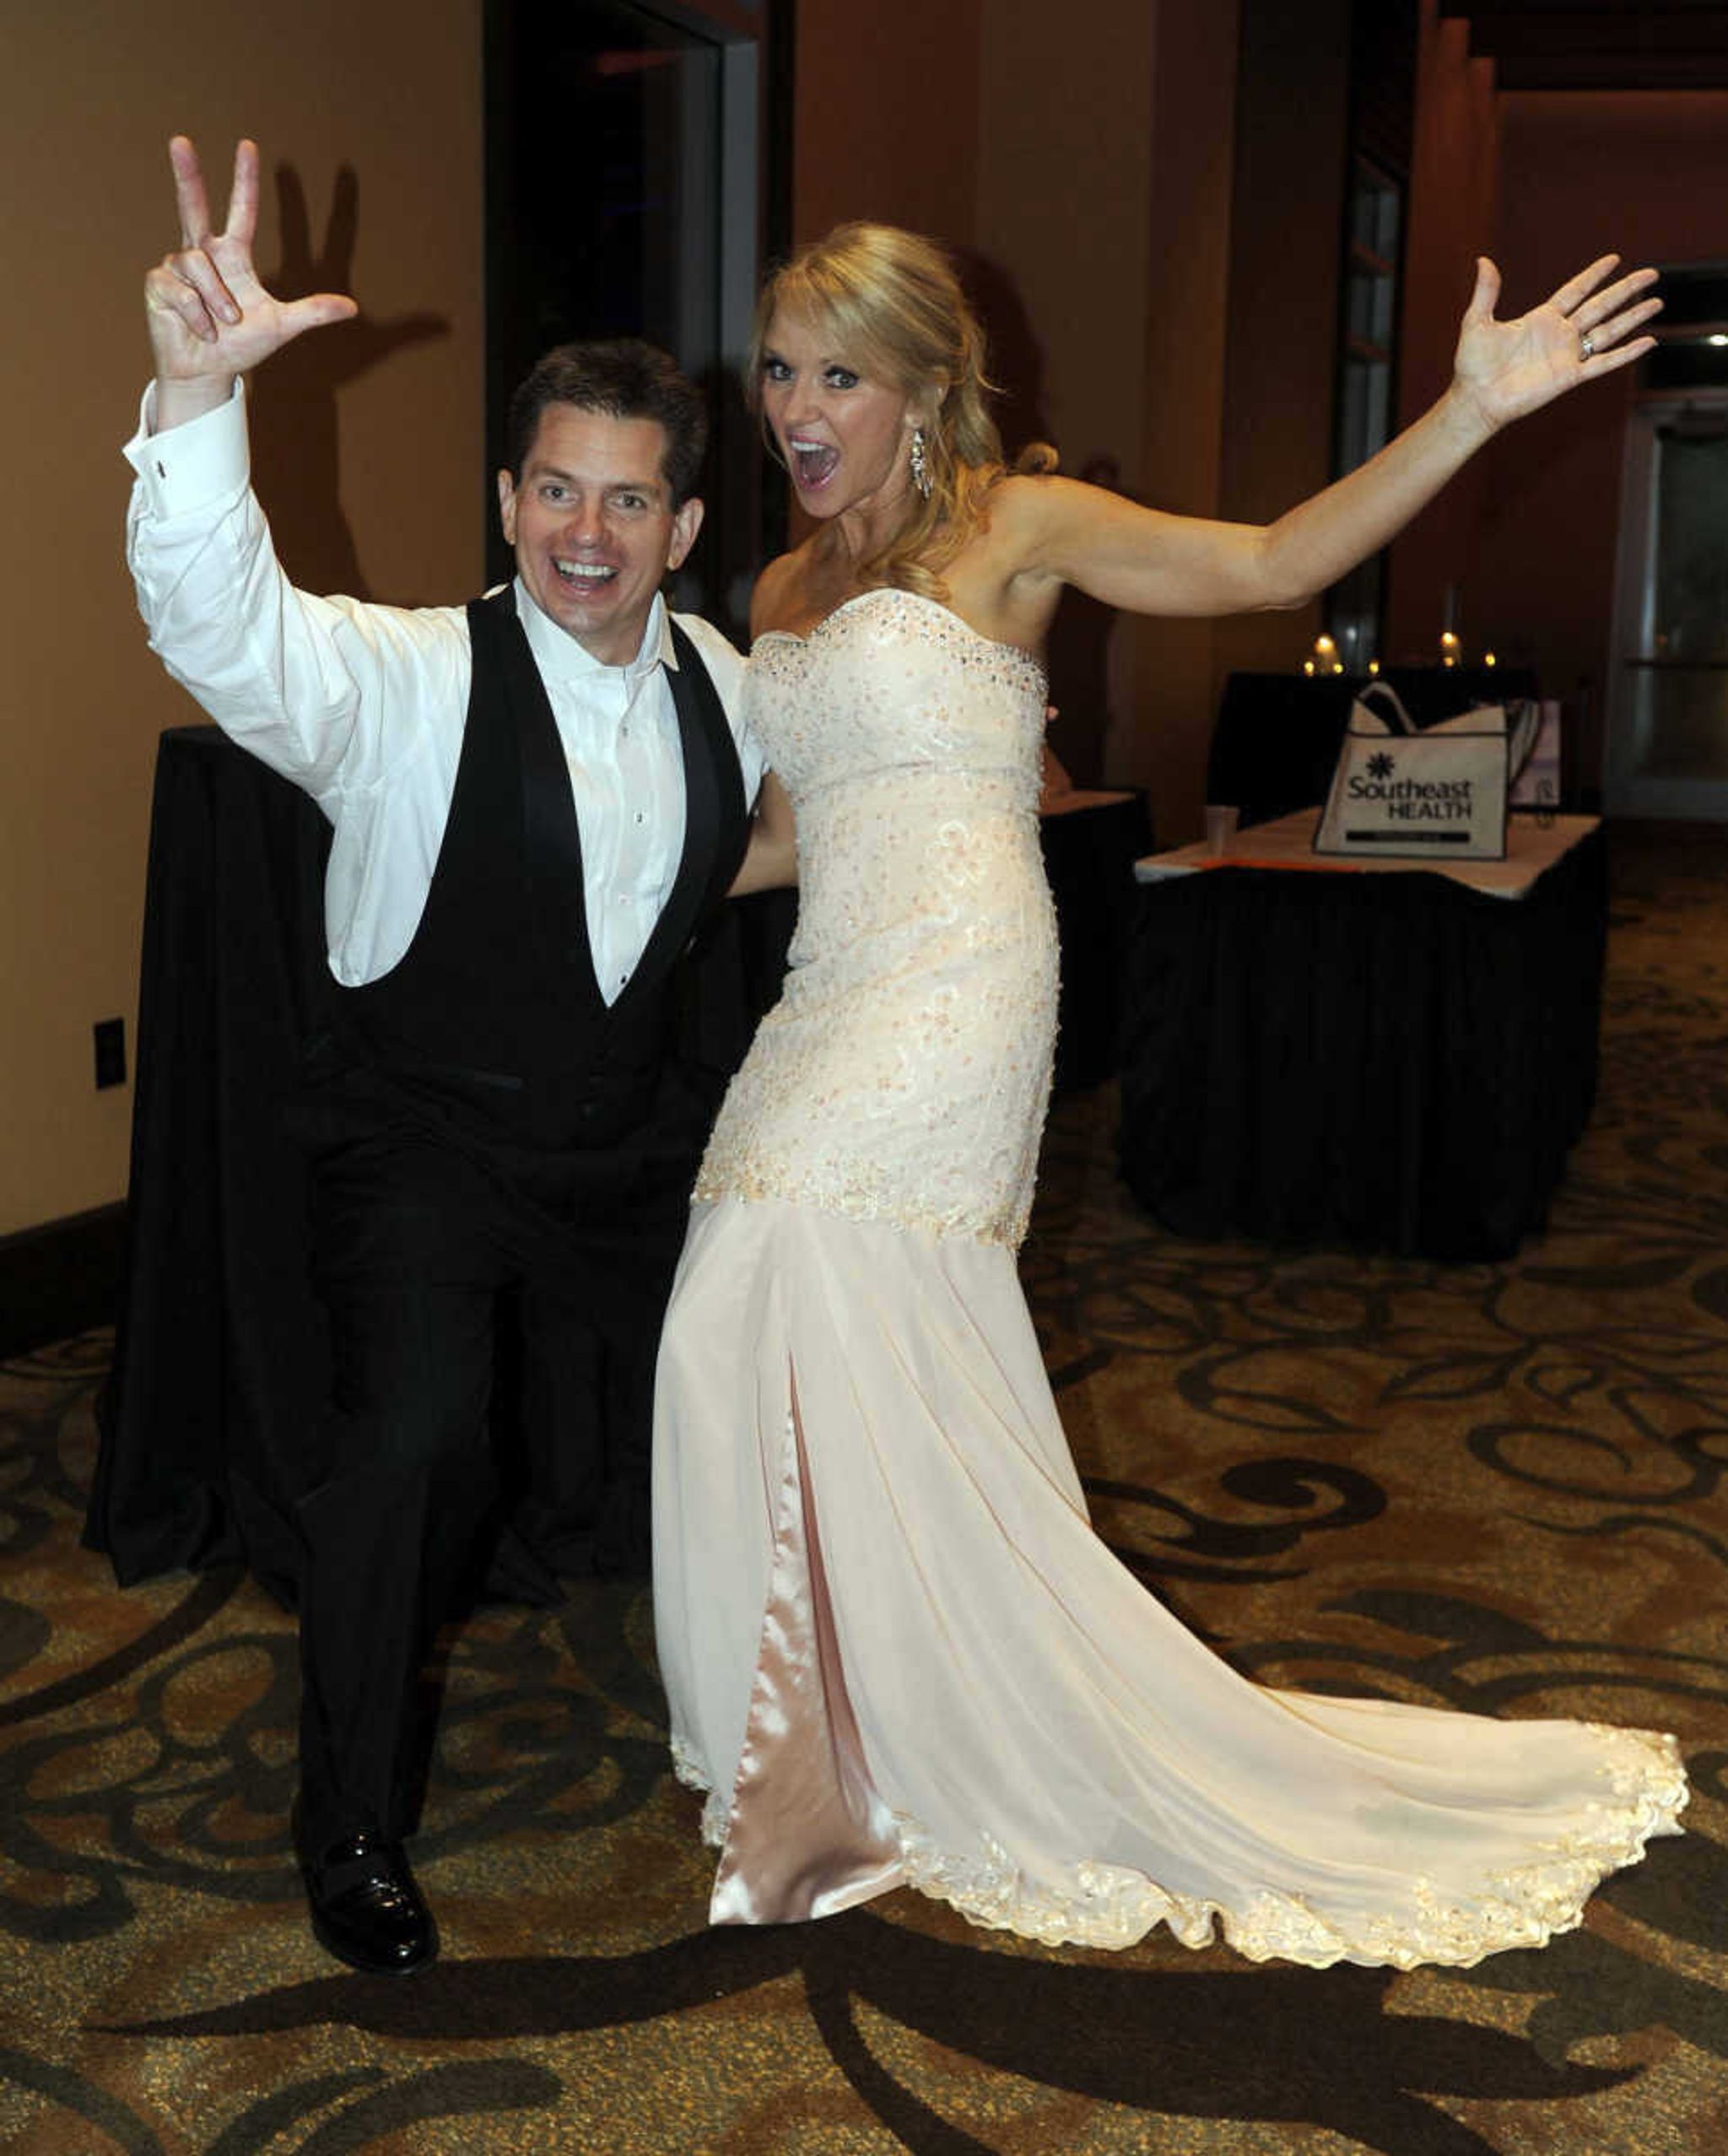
(210, 318)
(1506, 368)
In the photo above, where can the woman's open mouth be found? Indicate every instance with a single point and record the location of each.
(813, 462)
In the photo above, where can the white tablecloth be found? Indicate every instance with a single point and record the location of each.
(1533, 844)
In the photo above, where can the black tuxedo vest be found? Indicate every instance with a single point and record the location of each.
(492, 1026)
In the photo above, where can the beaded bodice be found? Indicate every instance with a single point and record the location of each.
(904, 1072)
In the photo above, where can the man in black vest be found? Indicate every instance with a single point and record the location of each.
(534, 800)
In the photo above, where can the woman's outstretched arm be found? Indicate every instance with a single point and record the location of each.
(1148, 562)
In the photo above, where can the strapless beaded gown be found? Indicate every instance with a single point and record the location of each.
(894, 1652)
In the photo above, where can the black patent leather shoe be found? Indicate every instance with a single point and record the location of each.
(366, 1908)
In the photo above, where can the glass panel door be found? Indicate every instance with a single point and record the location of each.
(1668, 746)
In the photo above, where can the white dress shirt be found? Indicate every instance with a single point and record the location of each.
(364, 706)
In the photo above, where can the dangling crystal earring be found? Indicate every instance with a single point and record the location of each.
(921, 463)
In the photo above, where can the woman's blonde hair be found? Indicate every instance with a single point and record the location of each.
(891, 303)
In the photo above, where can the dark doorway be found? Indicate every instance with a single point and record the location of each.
(632, 189)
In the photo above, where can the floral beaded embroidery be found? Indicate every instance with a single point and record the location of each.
(904, 1074)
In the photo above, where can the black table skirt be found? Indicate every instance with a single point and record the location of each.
(221, 1361)
(1088, 857)
(1388, 1061)
(220, 1356)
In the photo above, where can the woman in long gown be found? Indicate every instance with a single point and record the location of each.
(894, 1652)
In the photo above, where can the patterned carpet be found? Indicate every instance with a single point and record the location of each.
(1497, 1487)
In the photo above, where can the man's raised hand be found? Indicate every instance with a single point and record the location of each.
(209, 317)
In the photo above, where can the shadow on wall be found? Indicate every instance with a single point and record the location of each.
(295, 465)
(1077, 651)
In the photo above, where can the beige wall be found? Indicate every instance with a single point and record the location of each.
(89, 93)
(1162, 726)
(885, 114)
(1065, 236)
(1064, 214)
(1084, 172)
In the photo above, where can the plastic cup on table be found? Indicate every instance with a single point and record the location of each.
(1221, 822)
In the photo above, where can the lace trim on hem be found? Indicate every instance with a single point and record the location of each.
(1111, 1906)
(715, 1810)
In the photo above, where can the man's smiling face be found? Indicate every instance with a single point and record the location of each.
(591, 517)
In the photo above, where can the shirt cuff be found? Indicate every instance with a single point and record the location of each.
(186, 469)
